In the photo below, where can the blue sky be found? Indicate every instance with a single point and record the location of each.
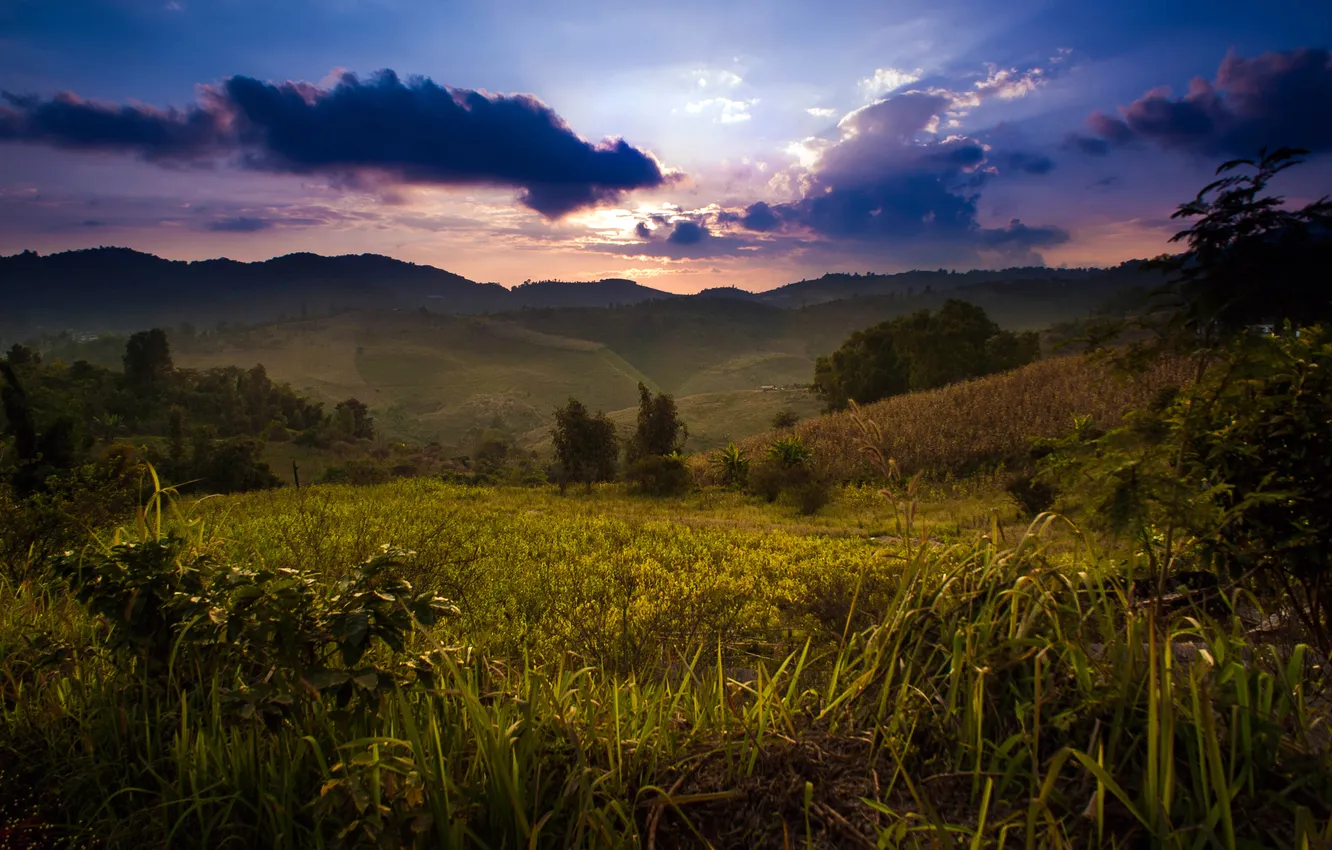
(761, 142)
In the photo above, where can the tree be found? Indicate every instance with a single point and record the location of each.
(147, 358)
(21, 355)
(19, 422)
(866, 368)
(353, 421)
(659, 429)
(586, 447)
(1248, 259)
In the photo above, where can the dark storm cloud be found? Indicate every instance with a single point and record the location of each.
(760, 218)
(239, 224)
(1088, 145)
(66, 121)
(374, 130)
(1276, 99)
(642, 230)
(1020, 236)
(688, 233)
(1027, 163)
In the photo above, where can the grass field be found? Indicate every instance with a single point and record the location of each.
(718, 672)
(713, 419)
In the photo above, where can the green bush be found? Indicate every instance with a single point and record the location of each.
(659, 475)
(277, 633)
(732, 465)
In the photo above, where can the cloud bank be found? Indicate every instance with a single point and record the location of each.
(1271, 100)
(362, 132)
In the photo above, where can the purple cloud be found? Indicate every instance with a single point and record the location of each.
(239, 224)
(688, 233)
(377, 130)
(1272, 100)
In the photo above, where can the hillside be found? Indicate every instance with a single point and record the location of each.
(429, 376)
(983, 422)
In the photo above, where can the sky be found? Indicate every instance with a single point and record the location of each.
(685, 145)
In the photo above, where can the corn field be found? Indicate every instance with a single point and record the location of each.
(984, 422)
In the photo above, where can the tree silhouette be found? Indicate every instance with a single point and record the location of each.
(147, 358)
(1248, 258)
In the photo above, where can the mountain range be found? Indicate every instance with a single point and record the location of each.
(121, 290)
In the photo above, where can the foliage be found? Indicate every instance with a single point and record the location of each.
(659, 475)
(756, 687)
(357, 471)
(920, 351)
(36, 528)
(352, 420)
(1249, 260)
(586, 446)
(784, 419)
(274, 634)
(732, 465)
(788, 467)
(1257, 435)
(659, 430)
(147, 358)
(789, 451)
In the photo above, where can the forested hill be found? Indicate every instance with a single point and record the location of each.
(118, 289)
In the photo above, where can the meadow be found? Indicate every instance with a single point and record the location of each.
(920, 667)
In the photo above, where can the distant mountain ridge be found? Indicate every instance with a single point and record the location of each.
(120, 289)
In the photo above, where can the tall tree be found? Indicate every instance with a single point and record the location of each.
(659, 430)
(586, 447)
(147, 358)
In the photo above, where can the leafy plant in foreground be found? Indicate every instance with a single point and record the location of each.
(271, 633)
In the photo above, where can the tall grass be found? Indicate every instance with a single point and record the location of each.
(982, 422)
(997, 696)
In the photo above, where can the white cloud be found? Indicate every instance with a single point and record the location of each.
(723, 109)
(888, 79)
(821, 111)
(716, 78)
(1009, 84)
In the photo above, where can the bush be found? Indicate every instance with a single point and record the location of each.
(810, 490)
(659, 475)
(732, 465)
(277, 633)
(36, 529)
(361, 472)
(1258, 438)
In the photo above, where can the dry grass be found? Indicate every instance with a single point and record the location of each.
(984, 422)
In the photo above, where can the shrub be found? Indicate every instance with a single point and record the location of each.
(732, 465)
(789, 451)
(277, 632)
(659, 475)
(361, 472)
(788, 468)
(1258, 438)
